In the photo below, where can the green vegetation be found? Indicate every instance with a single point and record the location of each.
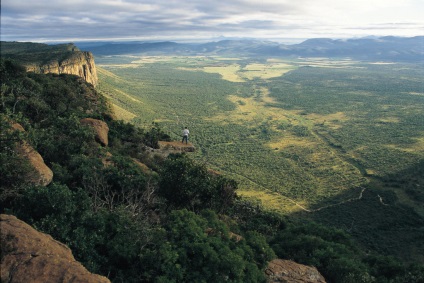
(310, 140)
(120, 220)
(305, 121)
(36, 53)
(175, 222)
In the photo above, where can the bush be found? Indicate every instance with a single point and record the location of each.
(187, 252)
(185, 184)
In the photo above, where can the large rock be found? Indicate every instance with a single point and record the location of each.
(31, 256)
(101, 129)
(80, 63)
(286, 271)
(40, 173)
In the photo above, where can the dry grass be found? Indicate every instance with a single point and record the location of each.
(228, 72)
(270, 200)
(128, 96)
(416, 93)
(416, 147)
(234, 72)
(265, 71)
(122, 114)
(290, 141)
(389, 120)
(104, 72)
(333, 120)
(253, 109)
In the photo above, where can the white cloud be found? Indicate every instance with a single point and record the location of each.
(49, 20)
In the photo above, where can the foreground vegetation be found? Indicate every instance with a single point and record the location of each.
(173, 223)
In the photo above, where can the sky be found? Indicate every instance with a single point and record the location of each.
(194, 20)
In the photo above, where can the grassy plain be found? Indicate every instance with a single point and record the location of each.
(302, 136)
(291, 127)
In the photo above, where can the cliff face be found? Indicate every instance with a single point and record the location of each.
(80, 63)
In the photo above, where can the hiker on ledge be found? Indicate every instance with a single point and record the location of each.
(185, 135)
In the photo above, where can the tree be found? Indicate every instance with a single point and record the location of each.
(185, 184)
(199, 248)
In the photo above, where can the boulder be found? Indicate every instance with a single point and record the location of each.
(287, 271)
(100, 128)
(32, 256)
(40, 173)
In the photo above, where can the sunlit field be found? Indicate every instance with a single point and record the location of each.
(310, 131)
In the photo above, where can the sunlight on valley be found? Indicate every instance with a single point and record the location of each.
(292, 143)
(122, 114)
(228, 72)
(236, 73)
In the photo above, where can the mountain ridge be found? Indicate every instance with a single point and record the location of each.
(388, 48)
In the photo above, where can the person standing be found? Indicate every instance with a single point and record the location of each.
(185, 135)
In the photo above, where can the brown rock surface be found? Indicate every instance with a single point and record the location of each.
(176, 146)
(32, 256)
(80, 63)
(101, 129)
(286, 271)
(40, 174)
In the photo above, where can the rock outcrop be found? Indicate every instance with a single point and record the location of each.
(80, 63)
(286, 271)
(176, 146)
(40, 173)
(100, 128)
(32, 256)
(57, 58)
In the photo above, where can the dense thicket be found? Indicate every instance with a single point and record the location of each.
(172, 223)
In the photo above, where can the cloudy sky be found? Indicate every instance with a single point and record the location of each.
(194, 20)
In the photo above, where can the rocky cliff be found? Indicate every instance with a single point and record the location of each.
(80, 63)
(57, 59)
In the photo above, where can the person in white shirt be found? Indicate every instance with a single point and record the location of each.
(185, 135)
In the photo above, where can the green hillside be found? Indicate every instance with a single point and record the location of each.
(132, 214)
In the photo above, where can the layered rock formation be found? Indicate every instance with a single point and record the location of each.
(58, 59)
(30, 256)
(286, 271)
(80, 63)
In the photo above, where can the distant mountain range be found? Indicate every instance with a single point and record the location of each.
(387, 48)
